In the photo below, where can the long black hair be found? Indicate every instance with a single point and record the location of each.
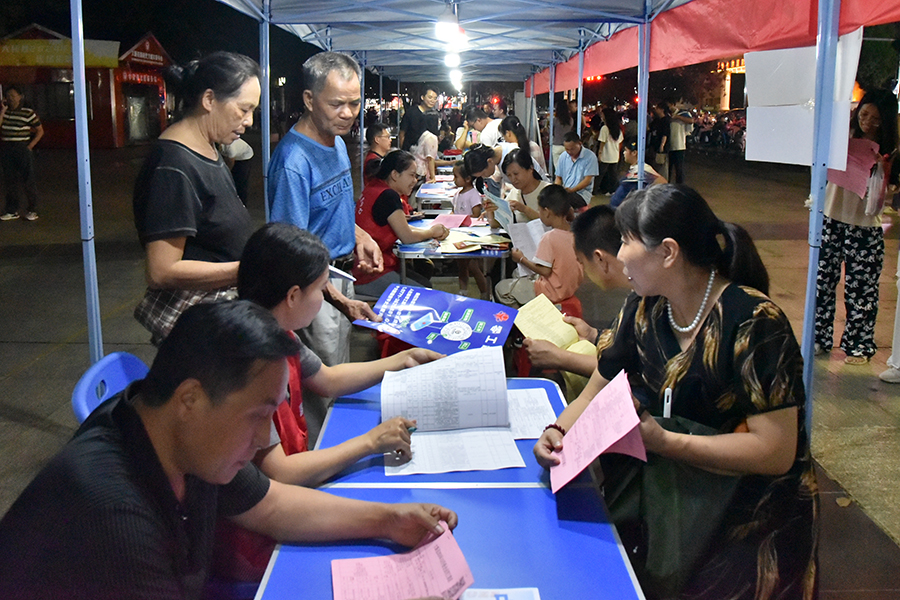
(277, 257)
(222, 72)
(395, 160)
(613, 122)
(514, 125)
(678, 212)
(886, 103)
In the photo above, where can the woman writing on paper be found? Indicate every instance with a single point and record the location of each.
(379, 212)
(700, 325)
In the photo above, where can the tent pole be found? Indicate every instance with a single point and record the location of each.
(399, 104)
(552, 117)
(826, 61)
(380, 96)
(580, 82)
(85, 198)
(362, 115)
(643, 90)
(265, 102)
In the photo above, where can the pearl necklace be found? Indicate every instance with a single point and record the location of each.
(696, 321)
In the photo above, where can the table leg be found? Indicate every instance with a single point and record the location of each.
(402, 270)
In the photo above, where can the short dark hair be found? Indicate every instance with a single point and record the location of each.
(319, 66)
(474, 114)
(277, 257)
(217, 344)
(595, 229)
(571, 136)
(373, 131)
(222, 72)
(12, 88)
(521, 158)
(555, 198)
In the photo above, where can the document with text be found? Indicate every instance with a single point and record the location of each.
(466, 389)
(608, 424)
(481, 449)
(436, 568)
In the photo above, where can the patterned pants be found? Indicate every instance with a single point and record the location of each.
(861, 249)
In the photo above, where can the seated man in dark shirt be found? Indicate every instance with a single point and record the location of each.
(127, 509)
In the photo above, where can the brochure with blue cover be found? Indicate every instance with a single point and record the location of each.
(440, 321)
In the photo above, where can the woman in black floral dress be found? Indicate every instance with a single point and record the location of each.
(699, 324)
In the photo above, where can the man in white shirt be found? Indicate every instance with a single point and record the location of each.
(488, 129)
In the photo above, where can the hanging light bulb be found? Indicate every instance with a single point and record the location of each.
(447, 25)
(451, 60)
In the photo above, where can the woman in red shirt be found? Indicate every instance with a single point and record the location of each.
(379, 212)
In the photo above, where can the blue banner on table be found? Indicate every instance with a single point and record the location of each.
(439, 321)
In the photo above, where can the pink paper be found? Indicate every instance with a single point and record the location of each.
(434, 568)
(608, 424)
(861, 154)
(451, 221)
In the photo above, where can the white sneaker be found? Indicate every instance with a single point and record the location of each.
(9, 216)
(31, 216)
(892, 375)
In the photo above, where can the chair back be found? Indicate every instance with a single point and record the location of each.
(105, 378)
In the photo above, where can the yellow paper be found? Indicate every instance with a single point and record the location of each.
(541, 320)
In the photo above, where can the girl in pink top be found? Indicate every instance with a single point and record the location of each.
(467, 201)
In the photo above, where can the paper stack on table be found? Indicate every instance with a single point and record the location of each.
(435, 568)
(463, 413)
(608, 424)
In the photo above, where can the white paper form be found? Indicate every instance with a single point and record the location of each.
(436, 568)
(481, 449)
(526, 237)
(507, 594)
(466, 389)
(529, 413)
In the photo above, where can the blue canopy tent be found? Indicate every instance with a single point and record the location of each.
(509, 40)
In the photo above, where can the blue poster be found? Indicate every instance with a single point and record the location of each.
(439, 321)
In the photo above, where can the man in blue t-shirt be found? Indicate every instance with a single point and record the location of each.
(577, 167)
(310, 186)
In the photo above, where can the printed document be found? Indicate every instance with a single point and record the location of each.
(480, 449)
(435, 568)
(609, 423)
(466, 389)
(539, 319)
(507, 594)
(526, 237)
(529, 413)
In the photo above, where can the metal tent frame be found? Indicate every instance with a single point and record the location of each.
(515, 39)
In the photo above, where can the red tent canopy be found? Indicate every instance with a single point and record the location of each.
(705, 30)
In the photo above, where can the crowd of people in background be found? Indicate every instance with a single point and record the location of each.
(221, 427)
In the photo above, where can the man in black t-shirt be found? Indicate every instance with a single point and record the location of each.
(127, 509)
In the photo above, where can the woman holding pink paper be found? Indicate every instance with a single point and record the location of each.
(726, 505)
(851, 232)
(379, 212)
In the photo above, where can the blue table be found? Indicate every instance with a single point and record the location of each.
(425, 250)
(510, 537)
(512, 530)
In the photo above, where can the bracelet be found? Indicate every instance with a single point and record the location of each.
(559, 428)
(597, 339)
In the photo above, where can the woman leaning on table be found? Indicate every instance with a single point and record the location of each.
(379, 212)
(189, 217)
(699, 323)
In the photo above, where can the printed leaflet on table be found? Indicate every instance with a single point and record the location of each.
(435, 568)
(439, 321)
